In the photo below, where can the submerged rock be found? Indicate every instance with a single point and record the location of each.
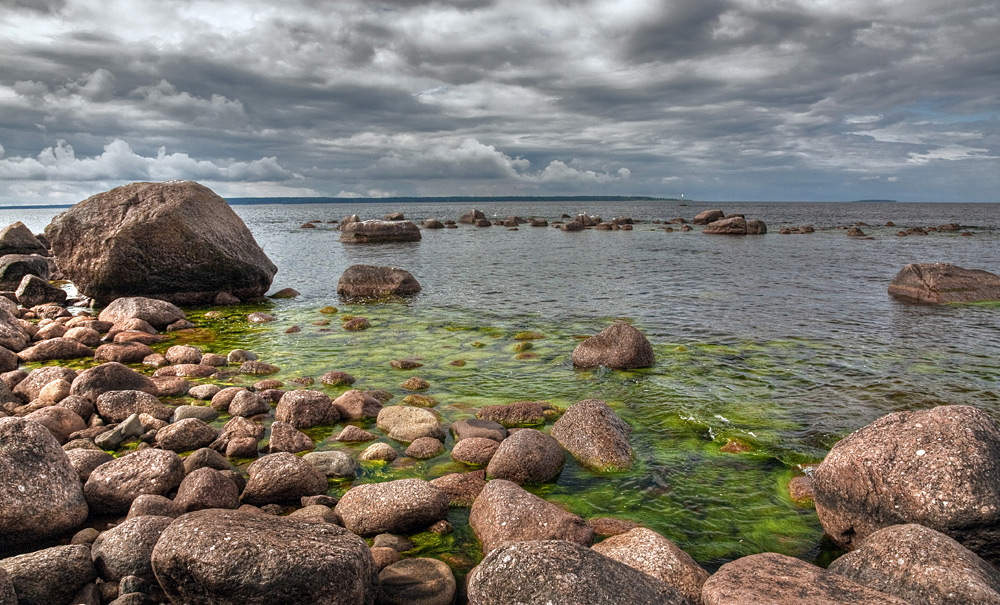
(619, 346)
(944, 283)
(375, 231)
(370, 281)
(177, 240)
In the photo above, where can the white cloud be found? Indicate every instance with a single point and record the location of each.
(951, 153)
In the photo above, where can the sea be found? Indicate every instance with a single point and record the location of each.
(782, 344)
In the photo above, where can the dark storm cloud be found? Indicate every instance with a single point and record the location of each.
(716, 98)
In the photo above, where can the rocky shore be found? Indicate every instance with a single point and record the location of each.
(158, 472)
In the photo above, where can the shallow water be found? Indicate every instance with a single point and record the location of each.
(786, 342)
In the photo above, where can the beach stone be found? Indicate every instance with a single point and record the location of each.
(352, 434)
(238, 356)
(652, 554)
(475, 450)
(419, 581)
(158, 314)
(242, 427)
(421, 401)
(305, 408)
(13, 335)
(128, 336)
(282, 477)
(708, 216)
(40, 491)
(34, 290)
(195, 244)
(938, 467)
(504, 512)
(379, 451)
(558, 571)
(204, 391)
(241, 447)
(84, 408)
(31, 386)
(207, 488)
(384, 556)
(415, 383)
(205, 458)
(424, 448)
(86, 535)
(393, 541)
(405, 423)
(247, 404)
(381, 395)
(433, 223)
(572, 226)
(461, 488)
(116, 406)
(527, 456)
(610, 526)
(336, 379)
(782, 580)
(113, 486)
(110, 376)
(258, 368)
(190, 370)
(286, 438)
(216, 557)
(49, 576)
(398, 506)
(183, 354)
(154, 360)
(85, 460)
(921, 566)
(55, 391)
(60, 421)
(13, 268)
(375, 231)
(619, 346)
(315, 513)
(186, 435)
(370, 281)
(733, 225)
(333, 463)
(944, 283)
(519, 413)
(125, 549)
(8, 360)
(213, 359)
(595, 436)
(16, 238)
(223, 398)
(130, 352)
(201, 412)
(47, 331)
(479, 427)
(800, 490)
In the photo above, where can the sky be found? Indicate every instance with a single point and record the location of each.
(713, 99)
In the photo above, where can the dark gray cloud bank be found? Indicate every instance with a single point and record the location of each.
(717, 99)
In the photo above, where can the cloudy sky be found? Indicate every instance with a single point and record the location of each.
(716, 99)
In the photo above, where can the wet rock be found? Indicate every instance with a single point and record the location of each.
(333, 463)
(922, 566)
(60, 421)
(113, 486)
(755, 226)
(207, 488)
(936, 467)
(461, 488)
(470, 217)
(190, 370)
(224, 398)
(778, 579)
(557, 571)
(405, 364)
(370, 281)
(185, 435)
(405, 423)
(258, 368)
(126, 549)
(128, 336)
(337, 379)
(110, 376)
(572, 226)
(475, 450)
(200, 412)
(433, 223)
(195, 244)
(306, 408)
(398, 506)
(157, 313)
(34, 290)
(116, 406)
(420, 401)
(708, 216)
(800, 490)
(49, 576)
(424, 448)
(286, 293)
(609, 526)
(415, 383)
(257, 317)
(856, 231)
(217, 557)
(944, 283)
(418, 581)
(286, 438)
(84, 461)
(40, 492)
(527, 456)
(379, 451)
(353, 434)
(282, 477)
(238, 356)
(375, 231)
(595, 436)
(129, 352)
(478, 427)
(619, 346)
(519, 413)
(205, 458)
(356, 324)
(652, 554)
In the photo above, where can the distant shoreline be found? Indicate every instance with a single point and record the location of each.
(245, 201)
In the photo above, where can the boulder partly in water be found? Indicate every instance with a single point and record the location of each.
(374, 232)
(619, 346)
(370, 281)
(944, 283)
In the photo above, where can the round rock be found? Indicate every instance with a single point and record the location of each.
(398, 506)
(113, 486)
(282, 477)
(527, 456)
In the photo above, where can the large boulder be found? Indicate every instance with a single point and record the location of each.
(921, 566)
(16, 238)
(781, 580)
(527, 456)
(557, 571)
(939, 468)
(177, 241)
(113, 486)
(619, 346)
(40, 492)
(399, 506)
(157, 313)
(50, 576)
(371, 232)
(734, 225)
(282, 477)
(371, 281)
(944, 283)
(219, 557)
(505, 512)
(126, 549)
(13, 268)
(651, 553)
(595, 435)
